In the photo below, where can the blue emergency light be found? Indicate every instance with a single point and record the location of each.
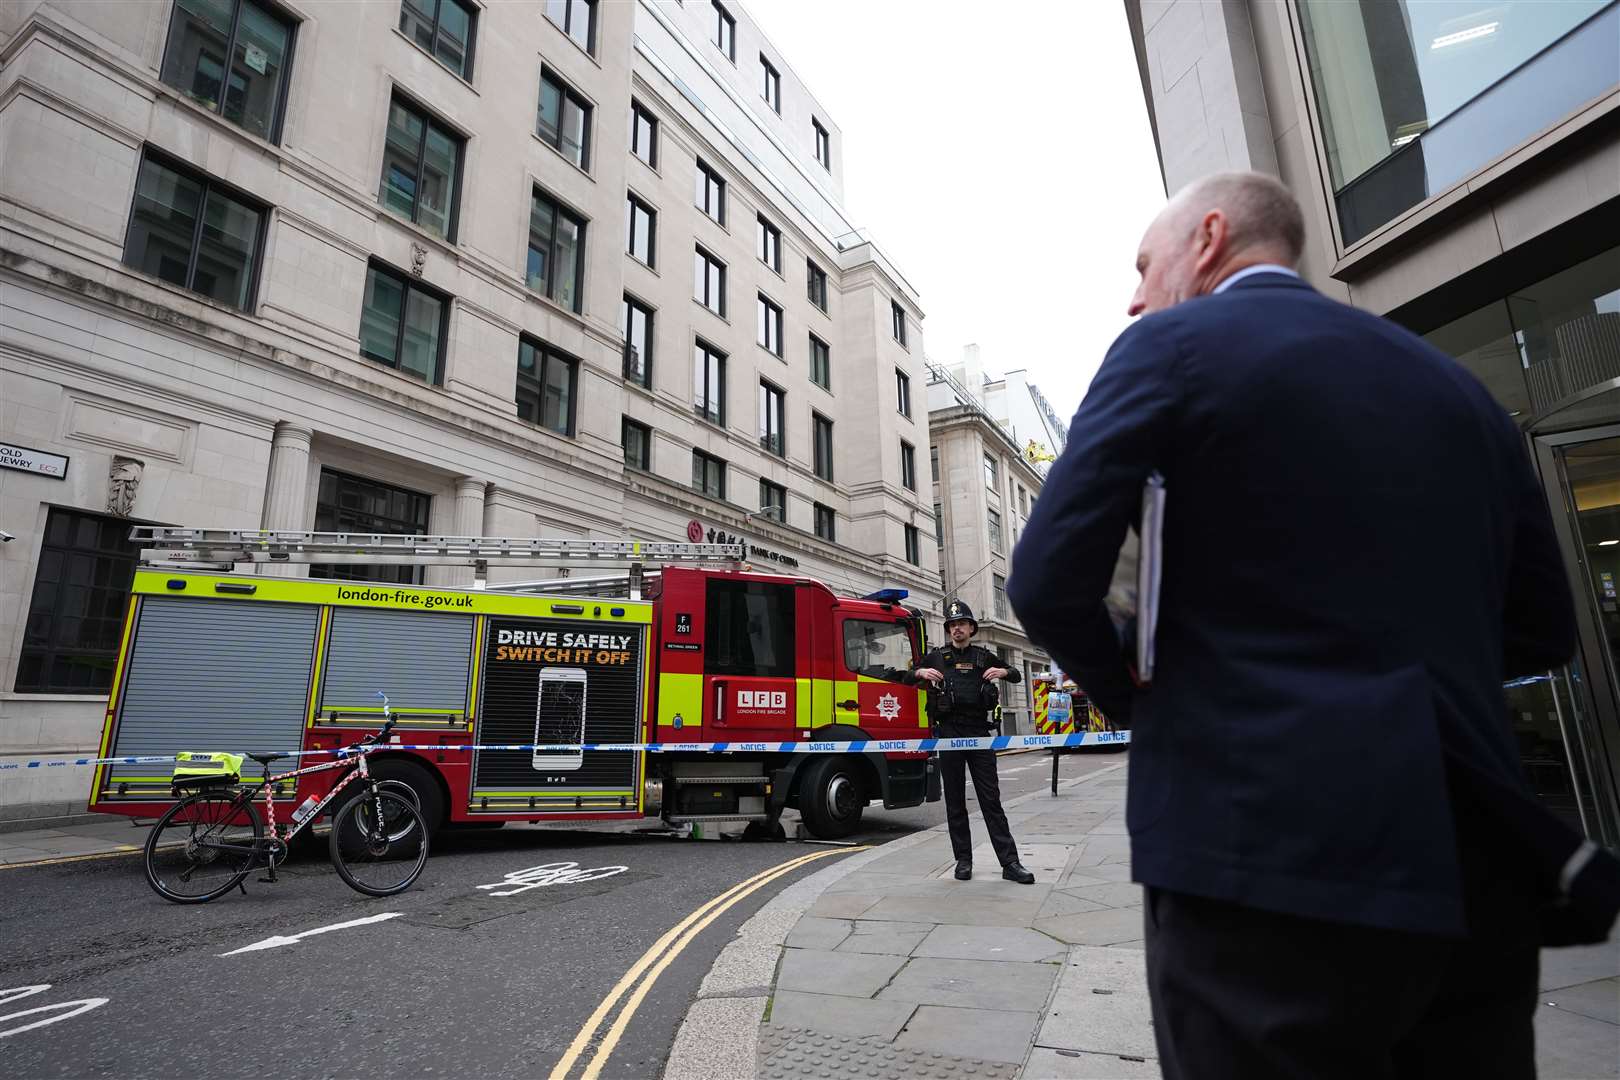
(888, 596)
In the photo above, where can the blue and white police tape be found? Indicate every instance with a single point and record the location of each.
(858, 746)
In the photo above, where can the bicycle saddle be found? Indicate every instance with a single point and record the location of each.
(265, 759)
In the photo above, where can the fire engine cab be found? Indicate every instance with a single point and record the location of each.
(688, 647)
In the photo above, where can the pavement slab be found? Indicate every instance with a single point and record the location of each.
(1106, 927)
(856, 975)
(786, 1054)
(843, 905)
(952, 909)
(839, 1015)
(1569, 967)
(815, 933)
(1064, 902)
(986, 1034)
(1114, 894)
(1571, 1046)
(899, 943)
(1600, 1000)
(991, 943)
(985, 984)
(1046, 1063)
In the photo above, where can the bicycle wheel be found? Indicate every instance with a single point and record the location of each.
(379, 842)
(202, 848)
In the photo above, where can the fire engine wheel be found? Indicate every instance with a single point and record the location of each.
(831, 798)
(424, 789)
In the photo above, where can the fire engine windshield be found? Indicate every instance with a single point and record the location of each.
(881, 650)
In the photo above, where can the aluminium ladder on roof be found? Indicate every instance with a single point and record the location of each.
(209, 548)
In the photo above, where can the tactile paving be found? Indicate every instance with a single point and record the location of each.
(794, 1054)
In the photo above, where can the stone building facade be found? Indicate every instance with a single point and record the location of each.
(569, 269)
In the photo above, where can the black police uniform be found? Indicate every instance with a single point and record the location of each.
(960, 707)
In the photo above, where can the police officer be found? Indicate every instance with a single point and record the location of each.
(961, 692)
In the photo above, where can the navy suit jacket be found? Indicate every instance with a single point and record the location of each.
(1356, 552)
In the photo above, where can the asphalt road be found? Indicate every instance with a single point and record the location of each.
(449, 979)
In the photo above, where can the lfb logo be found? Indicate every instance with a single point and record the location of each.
(762, 699)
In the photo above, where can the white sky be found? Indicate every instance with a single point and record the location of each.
(1005, 165)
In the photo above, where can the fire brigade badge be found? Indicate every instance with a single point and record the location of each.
(888, 706)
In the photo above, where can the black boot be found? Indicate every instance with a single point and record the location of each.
(1015, 871)
(964, 870)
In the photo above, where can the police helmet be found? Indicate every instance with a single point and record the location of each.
(958, 611)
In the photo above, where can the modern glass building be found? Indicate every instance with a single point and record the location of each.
(1459, 166)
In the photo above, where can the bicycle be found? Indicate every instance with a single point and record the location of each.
(208, 842)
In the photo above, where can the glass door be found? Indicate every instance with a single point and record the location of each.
(1568, 723)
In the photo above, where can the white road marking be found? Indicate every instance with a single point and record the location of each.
(557, 873)
(293, 939)
(83, 1005)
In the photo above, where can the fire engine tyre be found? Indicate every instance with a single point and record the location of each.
(201, 848)
(379, 843)
(831, 798)
(427, 796)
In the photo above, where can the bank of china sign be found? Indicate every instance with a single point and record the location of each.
(24, 459)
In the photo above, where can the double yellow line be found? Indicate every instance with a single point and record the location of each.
(645, 971)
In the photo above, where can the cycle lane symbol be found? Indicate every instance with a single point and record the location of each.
(547, 874)
(18, 993)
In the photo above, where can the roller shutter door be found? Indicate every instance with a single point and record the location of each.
(215, 675)
(421, 660)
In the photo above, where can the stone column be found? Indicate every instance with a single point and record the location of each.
(468, 521)
(286, 490)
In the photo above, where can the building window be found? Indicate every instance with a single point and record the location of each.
(770, 325)
(992, 472)
(770, 245)
(421, 170)
(725, 31)
(933, 463)
(994, 520)
(230, 57)
(773, 85)
(822, 434)
(897, 315)
(637, 442)
(708, 474)
(826, 522)
(444, 28)
(709, 282)
(76, 615)
(643, 225)
(577, 18)
(939, 525)
(815, 284)
(354, 504)
(1023, 501)
(636, 324)
(772, 408)
(402, 324)
(823, 144)
(773, 501)
(710, 193)
(643, 134)
(908, 466)
(709, 382)
(902, 390)
(564, 119)
(545, 386)
(820, 363)
(556, 251)
(190, 231)
(998, 589)
(913, 546)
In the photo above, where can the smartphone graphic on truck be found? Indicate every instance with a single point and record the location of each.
(559, 717)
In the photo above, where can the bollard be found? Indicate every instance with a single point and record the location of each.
(1057, 752)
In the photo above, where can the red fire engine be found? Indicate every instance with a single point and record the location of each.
(699, 651)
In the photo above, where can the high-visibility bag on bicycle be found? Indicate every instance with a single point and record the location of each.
(194, 770)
